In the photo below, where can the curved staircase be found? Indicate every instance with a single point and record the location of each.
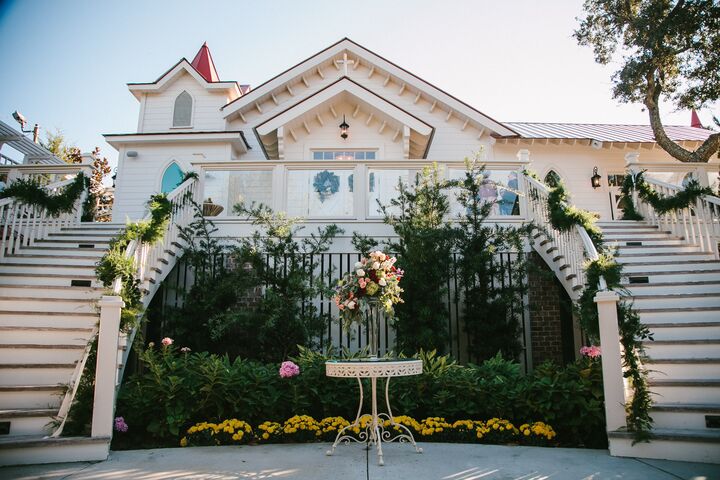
(48, 315)
(675, 287)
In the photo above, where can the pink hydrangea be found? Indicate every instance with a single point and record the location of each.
(592, 351)
(120, 425)
(289, 369)
(167, 341)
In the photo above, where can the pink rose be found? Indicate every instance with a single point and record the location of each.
(167, 341)
(289, 369)
(120, 425)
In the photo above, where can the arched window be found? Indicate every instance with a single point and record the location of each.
(689, 177)
(172, 177)
(182, 115)
(552, 179)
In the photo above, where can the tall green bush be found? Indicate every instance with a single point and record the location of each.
(492, 292)
(424, 251)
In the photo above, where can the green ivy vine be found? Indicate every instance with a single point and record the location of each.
(661, 204)
(32, 192)
(114, 263)
(632, 332)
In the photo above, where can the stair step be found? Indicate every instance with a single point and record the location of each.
(615, 236)
(41, 353)
(49, 305)
(678, 314)
(674, 330)
(97, 252)
(31, 396)
(678, 368)
(680, 276)
(690, 390)
(31, 449)
(666, 267)
(649, 241)
(644, 249)
(64, 242)
(665, 288)
(36, 373)
(669, 444)
(656, 301)
(45, 279)
(50, 335)
(705, 348)
(46, 260)
(28, 421)
(683, 415)
(653, 258)
(67, 270)
(51, 291)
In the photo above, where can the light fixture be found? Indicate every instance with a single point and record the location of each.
(595, 179)
(20, 118)
(344, 129)
(132, 153)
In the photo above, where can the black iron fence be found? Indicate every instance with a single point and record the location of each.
(328, 268)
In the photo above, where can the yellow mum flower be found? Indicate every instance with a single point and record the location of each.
(184, 442)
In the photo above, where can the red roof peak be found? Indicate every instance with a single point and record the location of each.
(695, 120)
(204, 64)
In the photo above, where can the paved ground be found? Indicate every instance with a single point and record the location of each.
(439, 461)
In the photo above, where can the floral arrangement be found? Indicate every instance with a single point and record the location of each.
(304, 428)
(373, 279)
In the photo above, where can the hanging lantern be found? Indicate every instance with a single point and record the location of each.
(344, 129)
(595, 179)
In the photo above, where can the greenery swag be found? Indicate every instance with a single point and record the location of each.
(661, 204)
(632, 331)
(32, 192)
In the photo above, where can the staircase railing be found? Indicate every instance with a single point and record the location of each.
(22, 224)
(565, 252)
(152, 264)
(699, 223)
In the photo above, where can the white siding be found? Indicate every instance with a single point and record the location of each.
(139, 177)
(157, 115)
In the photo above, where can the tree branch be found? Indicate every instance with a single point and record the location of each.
(701, 155)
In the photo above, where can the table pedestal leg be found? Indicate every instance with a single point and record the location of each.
(340, 435)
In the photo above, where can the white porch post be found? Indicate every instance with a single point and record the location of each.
(106, 367)
(613, 383)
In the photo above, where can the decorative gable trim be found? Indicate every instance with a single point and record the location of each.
(183, 66)
(376, 62)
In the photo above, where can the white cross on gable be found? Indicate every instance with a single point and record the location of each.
(345, 62)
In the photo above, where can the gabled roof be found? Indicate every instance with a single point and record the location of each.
(342, 85)
(381, 64)
(203, 63)
(183, 66)
(605, 132)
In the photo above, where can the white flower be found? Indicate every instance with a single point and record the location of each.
(382, 282)
(360, 272)
(376, 265)
(358, 265)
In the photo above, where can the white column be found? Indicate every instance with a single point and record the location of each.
(613, 383)
(106, 367)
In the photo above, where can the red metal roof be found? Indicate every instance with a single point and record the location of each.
(605, 132)
(204, 64)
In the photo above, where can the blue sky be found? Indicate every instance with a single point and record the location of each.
(65, 63)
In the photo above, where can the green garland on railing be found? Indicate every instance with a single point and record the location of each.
(114, 263)
(564, 216)
(661, 204)
(632, 334)
(32, 192)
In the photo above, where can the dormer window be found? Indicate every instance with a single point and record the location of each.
(182, 115)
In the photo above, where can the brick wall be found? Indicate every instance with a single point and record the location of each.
(548, 305)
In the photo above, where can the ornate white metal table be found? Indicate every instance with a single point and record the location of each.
(375, 432)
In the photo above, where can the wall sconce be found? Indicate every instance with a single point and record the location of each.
(595, 179)
(344, 129)
(132, 154)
